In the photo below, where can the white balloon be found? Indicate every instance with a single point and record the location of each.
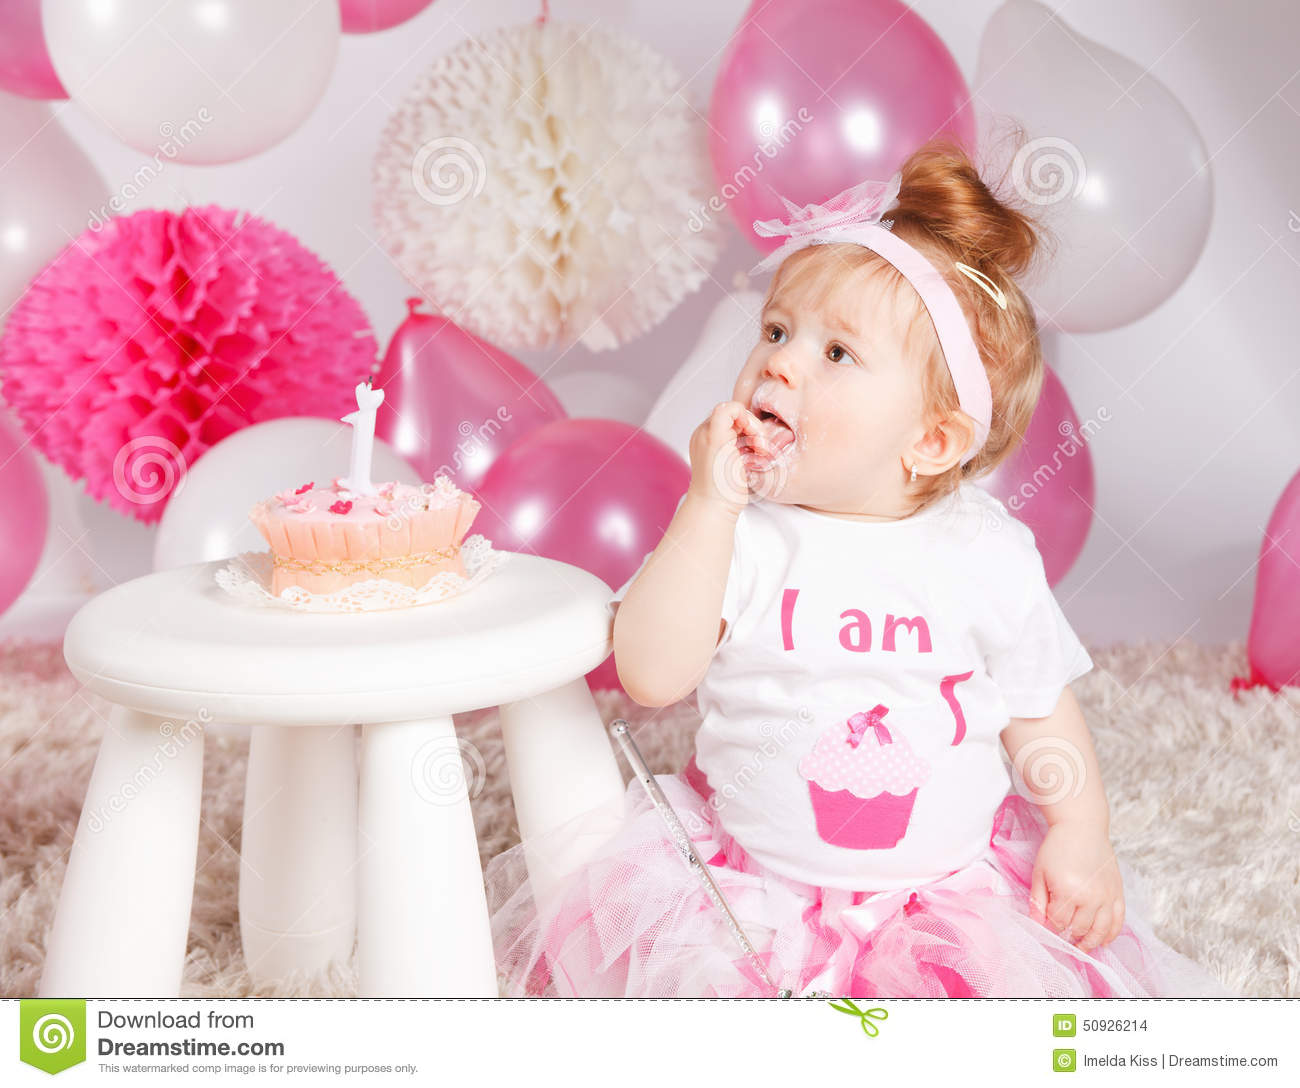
(49, 193)
(207, 517)
(709, 373)
(1115, 168)
(600, 394)
(196, 81)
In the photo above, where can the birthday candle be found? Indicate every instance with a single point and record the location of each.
(363, 438)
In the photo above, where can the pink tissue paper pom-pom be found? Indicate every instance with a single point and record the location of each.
(150, 339)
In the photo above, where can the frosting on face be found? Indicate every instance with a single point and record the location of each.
(336, 502)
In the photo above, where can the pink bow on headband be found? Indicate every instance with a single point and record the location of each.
(860, 722)
(863, 203)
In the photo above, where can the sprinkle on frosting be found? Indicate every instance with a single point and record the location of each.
(391, 499)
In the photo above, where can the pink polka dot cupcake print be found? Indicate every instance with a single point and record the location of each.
(863, 781)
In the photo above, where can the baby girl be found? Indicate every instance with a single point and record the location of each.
(866, 629)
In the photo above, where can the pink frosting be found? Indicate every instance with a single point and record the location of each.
(867, 769)
(337, 503)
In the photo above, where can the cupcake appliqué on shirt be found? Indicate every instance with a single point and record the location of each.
(862, 779)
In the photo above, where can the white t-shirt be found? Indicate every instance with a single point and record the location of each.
(852, 712)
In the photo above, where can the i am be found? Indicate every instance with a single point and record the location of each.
(855, 633)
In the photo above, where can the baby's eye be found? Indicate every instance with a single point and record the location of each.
(837, 353)
(770, 330)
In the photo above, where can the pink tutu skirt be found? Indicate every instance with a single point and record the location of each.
(635, 921)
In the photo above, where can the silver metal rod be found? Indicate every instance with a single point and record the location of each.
(620, 730)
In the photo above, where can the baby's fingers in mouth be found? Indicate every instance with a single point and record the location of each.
(747, 422)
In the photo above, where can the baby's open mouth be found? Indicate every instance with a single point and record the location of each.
(776, 433)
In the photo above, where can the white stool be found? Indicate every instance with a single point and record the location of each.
(393, 862)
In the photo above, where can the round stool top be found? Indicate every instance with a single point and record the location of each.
(174, 643)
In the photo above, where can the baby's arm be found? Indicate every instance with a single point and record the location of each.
(1076, 883)
(670, 619)
(1072, 779)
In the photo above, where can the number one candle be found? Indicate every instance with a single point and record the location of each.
(363, 438)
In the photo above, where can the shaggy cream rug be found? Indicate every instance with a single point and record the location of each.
(1205, 805)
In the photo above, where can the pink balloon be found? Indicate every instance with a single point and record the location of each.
(1274, 643)
(875, 81)
(365, 16)
(24, 512)
(25, 66)
(454, 402)
(596, 493)
(1048, 483)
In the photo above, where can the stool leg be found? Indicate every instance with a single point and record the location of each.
(562, 771)
(123, 917)
(298, 854)
(422, 923)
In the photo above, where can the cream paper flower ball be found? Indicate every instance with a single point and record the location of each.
(546, 184)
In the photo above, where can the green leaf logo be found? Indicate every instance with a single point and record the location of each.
(866, 1017)
(52, 1034)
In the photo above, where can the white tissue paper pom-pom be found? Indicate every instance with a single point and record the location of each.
(546, 184)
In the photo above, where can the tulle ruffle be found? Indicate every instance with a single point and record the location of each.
(634, 921)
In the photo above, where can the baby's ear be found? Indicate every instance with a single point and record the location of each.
(946, 441)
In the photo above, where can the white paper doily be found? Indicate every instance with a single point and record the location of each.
(248, 577)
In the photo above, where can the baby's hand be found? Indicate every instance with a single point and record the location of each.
(1076, 886)
(718, 465)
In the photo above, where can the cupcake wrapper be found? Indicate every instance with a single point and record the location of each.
(401, 534)
(857, 823)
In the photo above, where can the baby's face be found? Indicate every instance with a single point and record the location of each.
(847, 398)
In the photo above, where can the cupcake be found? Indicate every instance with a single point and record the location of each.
(863, 782)
(325, 538)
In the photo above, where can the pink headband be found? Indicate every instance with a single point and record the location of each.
(854, 216)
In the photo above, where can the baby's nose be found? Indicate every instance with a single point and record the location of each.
(782, 366)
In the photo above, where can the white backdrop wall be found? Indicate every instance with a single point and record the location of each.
(1201, 395)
